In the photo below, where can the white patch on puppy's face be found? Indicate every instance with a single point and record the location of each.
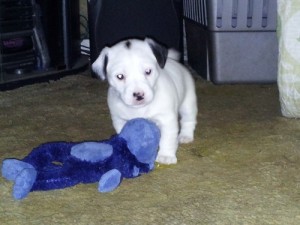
(131, 69)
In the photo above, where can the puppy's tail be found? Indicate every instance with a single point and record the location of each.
(173, 54)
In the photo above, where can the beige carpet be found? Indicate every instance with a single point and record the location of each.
(243, 167)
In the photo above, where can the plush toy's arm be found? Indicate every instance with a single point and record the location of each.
(92, 151)
(110, 181)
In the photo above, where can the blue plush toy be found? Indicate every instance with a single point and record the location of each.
(59, 165)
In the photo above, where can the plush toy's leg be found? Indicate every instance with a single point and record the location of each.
(12, 167)
(23, 183)
(110, 181)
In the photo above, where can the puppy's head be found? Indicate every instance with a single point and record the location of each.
(132, 68)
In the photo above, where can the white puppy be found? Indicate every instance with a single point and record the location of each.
(146, 80)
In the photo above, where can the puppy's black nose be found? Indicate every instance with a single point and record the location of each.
(139, 96)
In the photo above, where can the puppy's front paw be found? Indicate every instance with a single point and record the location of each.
(185, 139)
(165, 159)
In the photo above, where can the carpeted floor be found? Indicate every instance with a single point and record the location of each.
(243, 167)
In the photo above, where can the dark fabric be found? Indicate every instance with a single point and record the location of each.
(111, 21)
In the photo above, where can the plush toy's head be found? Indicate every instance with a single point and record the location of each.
(142, 138)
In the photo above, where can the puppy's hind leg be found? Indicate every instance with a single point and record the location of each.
(188, 118)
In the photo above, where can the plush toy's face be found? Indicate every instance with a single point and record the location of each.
(142, 138)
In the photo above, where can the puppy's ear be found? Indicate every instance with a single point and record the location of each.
(100, 65)
(160, 52)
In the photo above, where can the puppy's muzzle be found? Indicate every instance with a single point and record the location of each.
(139, 96)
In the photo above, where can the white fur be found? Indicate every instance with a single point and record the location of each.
(164, 94)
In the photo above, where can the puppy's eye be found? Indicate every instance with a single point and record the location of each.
(148, 71)
(120, 76)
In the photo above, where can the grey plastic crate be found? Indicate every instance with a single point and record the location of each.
(232, 41)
